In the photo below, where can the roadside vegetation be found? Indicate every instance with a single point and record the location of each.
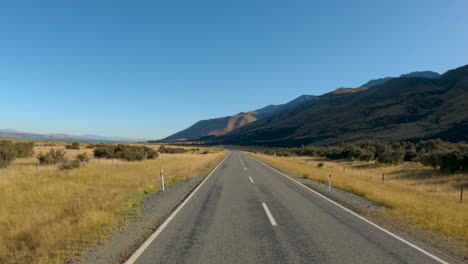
(446, 156)
(399, 176)
(125, 152)
(49, 211)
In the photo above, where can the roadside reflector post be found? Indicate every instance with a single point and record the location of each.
(162, 179)
(329, 180)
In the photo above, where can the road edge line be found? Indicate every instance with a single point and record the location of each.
(166, 222)
(356, 215)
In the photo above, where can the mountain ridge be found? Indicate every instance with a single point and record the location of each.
(399, 109)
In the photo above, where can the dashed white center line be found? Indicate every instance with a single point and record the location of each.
(251, 180)
(267, 211)
(245, 168)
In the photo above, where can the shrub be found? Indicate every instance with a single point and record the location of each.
(125, 152)
(7, 155)
(393, 157)
(23, 149)
(169, 150)
(52, 157)
(83, 157)
(74, 145)
(68, 165)
(320, 165)
(106, 151)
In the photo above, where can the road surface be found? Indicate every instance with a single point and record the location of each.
(246, 212)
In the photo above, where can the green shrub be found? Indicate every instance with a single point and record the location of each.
(74, 145)
(7, 155)
(83, 157)
(125, 152)
(392, 157)
(52, 157)
(23, 149)
(68, 165)
(170, 150)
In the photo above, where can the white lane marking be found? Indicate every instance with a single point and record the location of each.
(245, 168)
(270, 216)
(158, 231)
(360, 217)
(250, 178)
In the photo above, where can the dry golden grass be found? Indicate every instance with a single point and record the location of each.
(47, 214)
(412, 192)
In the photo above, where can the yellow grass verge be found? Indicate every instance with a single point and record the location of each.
(411, 191)
(47, 214)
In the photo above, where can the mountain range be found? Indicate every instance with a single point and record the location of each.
(223, 125)
(418, 105)
(21, 134)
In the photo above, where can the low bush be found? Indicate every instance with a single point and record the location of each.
(392, 157)
(83, 157)
(10, 150)
(74, 145)
(54, 156)
(7, 155)
(125, 152)
(68, 165)
(451, 157)
(23, 149)
(170, 150)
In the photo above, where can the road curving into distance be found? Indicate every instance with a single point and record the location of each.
(247, 212)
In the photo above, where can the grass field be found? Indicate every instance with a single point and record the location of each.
(47, 214)
(414, 193)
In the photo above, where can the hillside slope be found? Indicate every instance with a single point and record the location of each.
(223, 125)
(400, 109)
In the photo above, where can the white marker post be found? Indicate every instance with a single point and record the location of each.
(329, 180)
(162, 180)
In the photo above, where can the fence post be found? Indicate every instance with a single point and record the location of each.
(162, 179)
(329, 180)
(383, 177)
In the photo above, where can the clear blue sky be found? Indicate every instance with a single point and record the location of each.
(152, 68)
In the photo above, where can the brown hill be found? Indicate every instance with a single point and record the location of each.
(402, 108)
(223, 125)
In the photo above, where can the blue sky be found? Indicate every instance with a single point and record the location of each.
(152, 68)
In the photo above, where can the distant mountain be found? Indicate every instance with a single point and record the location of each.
(404, 108)
(422, 74)
(223, 125)
(20, 134)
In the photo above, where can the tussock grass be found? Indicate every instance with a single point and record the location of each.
(413, 193)
(47, 214)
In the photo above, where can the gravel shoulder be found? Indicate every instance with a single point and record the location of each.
(154, 208)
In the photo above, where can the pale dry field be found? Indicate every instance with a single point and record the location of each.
(47, 214)
(411, 192)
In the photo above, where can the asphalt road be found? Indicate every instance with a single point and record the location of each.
(246, 212)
